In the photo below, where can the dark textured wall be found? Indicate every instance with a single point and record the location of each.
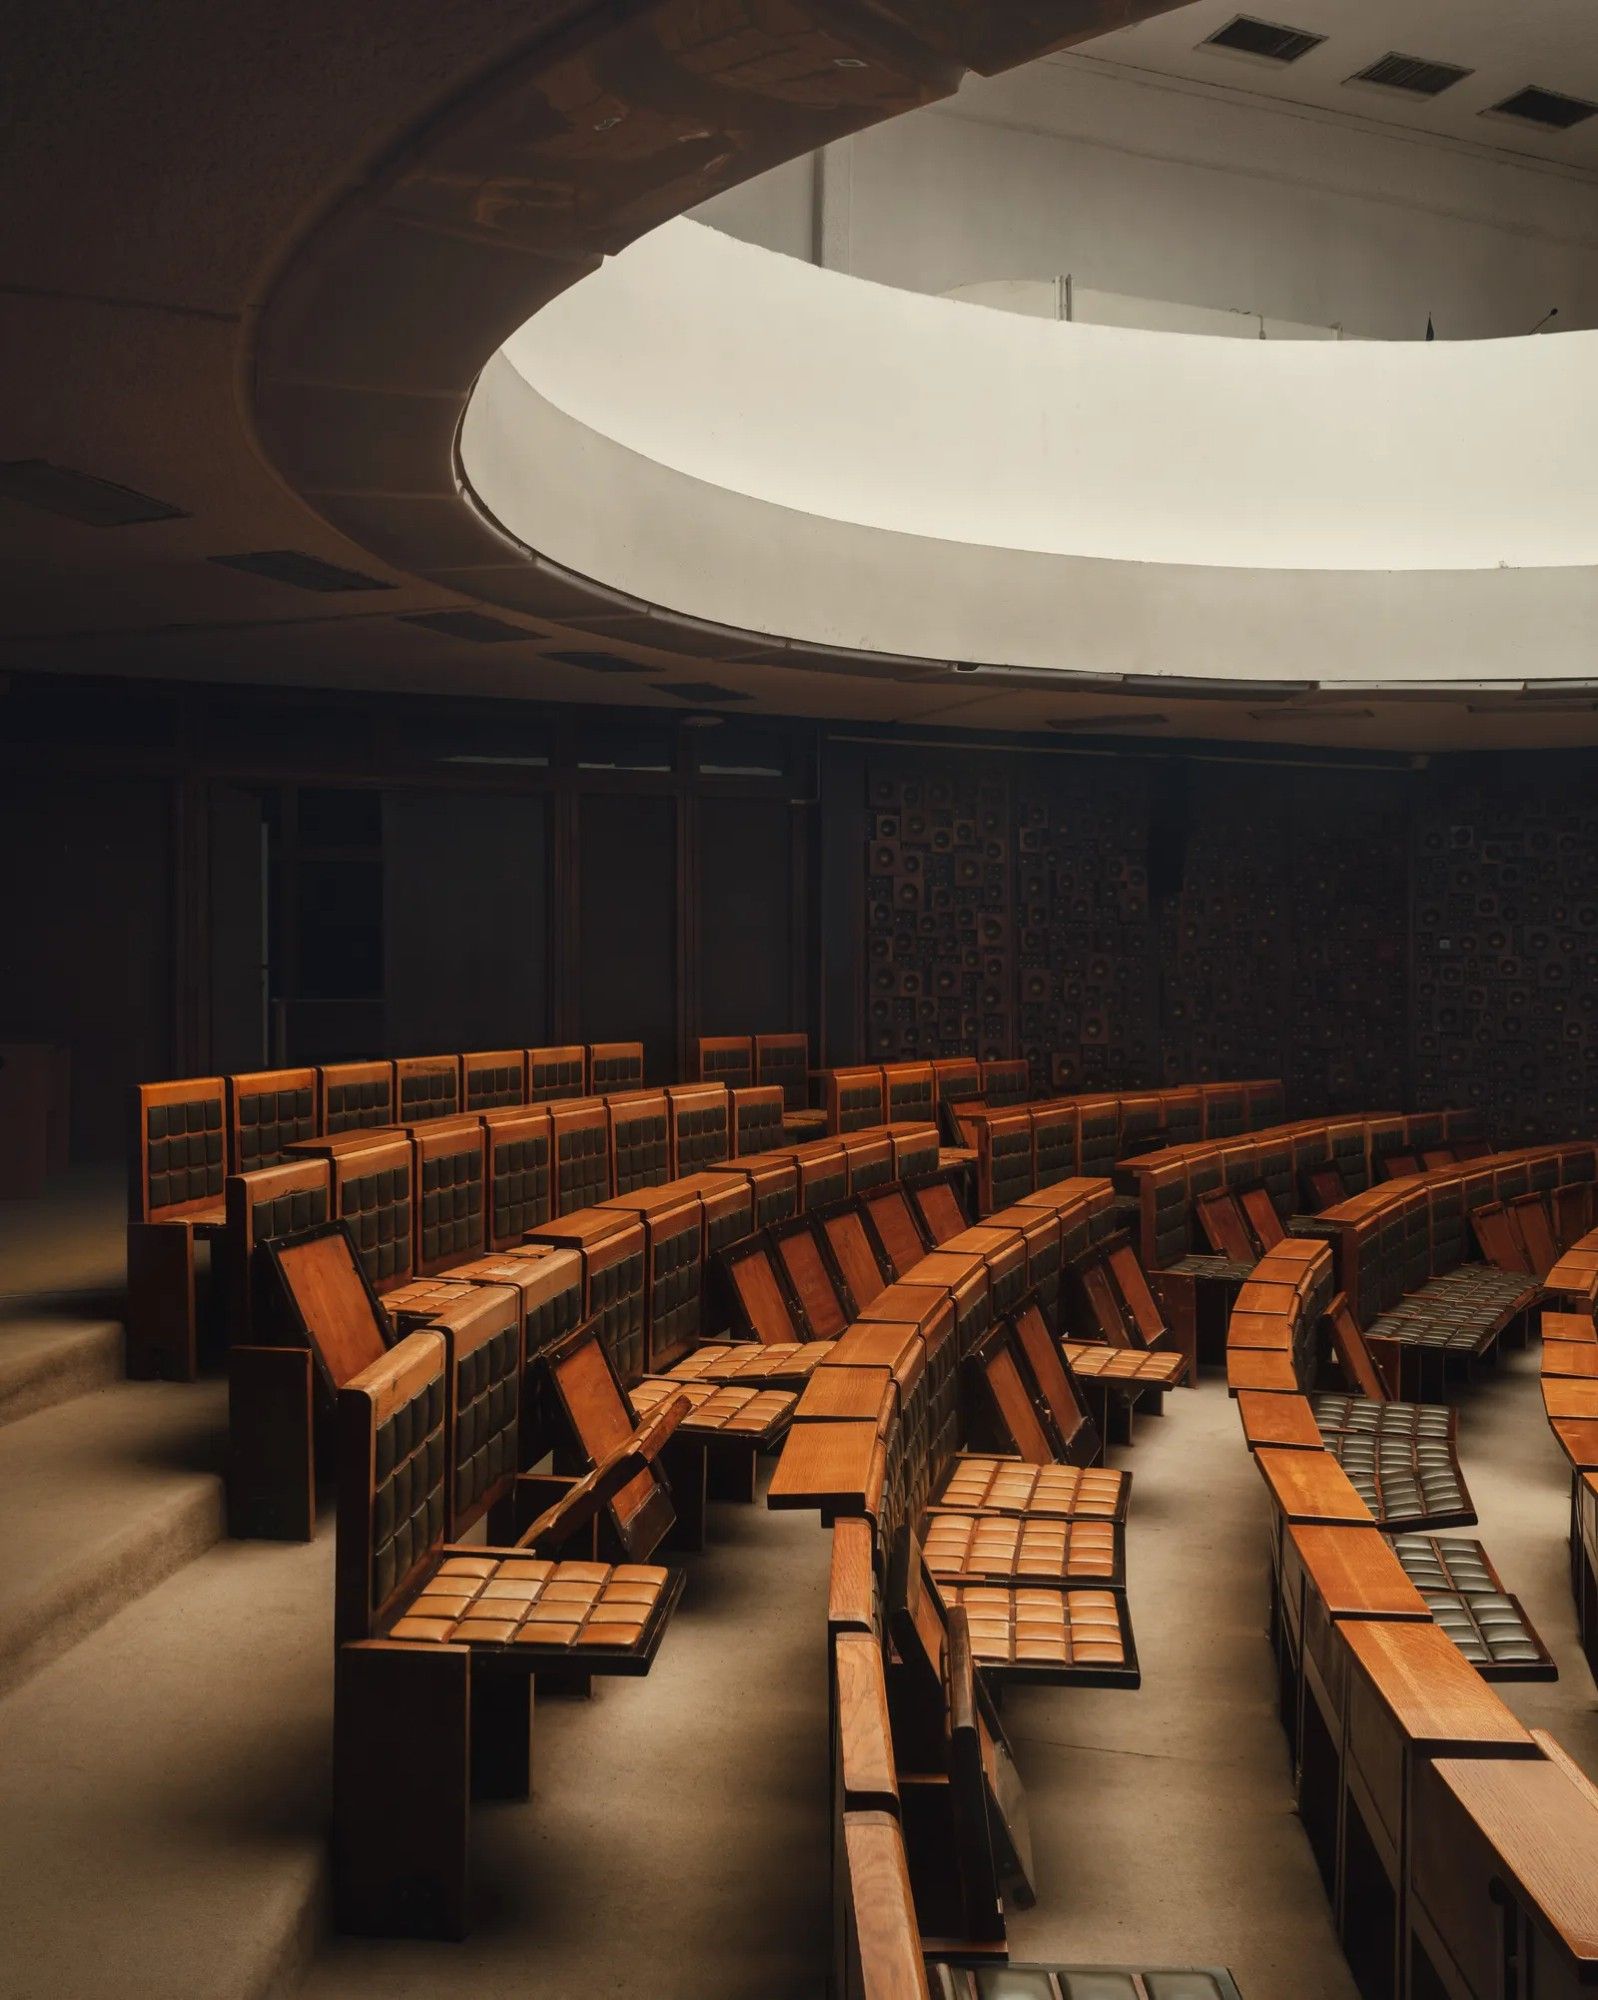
(1505, 887)
(1391, 936)
(1379, 938)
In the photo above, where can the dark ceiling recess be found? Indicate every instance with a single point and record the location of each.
(1245, 36)
(1548, 108)
(1414, 74)
(476, 626)
(601, 663)
(700, 691)
(304, 572)
(79, 496)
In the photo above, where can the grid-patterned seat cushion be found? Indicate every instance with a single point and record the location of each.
(1033, 1626)
(1335, 1413)
(1140, 1366)
(978, 1484)
(515, 1600)
(1222, 1270)
(1403, 1479)
(753, 1362)
(1464, 1596)
(1458, 1313)
(719, 1409)
(1010, 1548)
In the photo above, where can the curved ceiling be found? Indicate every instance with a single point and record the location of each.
(277, 249)
(827, 395)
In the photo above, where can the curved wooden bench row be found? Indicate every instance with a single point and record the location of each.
(1423, 1797)
(1403, 1256)
(1570, 1400)
(1206, 1213)
(953, 1569)
(1034, 1145)
(634, 1265)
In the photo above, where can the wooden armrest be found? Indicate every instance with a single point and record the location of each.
(584, 1498)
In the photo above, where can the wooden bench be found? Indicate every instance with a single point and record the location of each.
(492, 1079)
(909, 1093)
(579, 1144)
(757, 1114)
(450, 1207)
(674, 1248)
(439, 1646)
(260, 1205)
(356, 1096)
(547, 1285)
(556, 1073)
(318, 1325)
(697, 1126)
(784, 1060)
(267, 1110)
(851, 1098)
(720, 1434)
(175, 1196)
(639, 1141)
(612, 1247)
(426, 1087)
(518, 1155)
(614, 1066)
(728, 1060)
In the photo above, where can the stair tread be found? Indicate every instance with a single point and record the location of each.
(101, 1497)
(46, 1359)
(177, 1760)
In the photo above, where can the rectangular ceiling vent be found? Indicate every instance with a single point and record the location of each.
(303, 572)
(1266, 41)
(600, 663)
(476, 626)
(80, 496)
(701, 691)
(1550, 109)
(1414, 74)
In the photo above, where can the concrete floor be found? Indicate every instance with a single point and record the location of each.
(174, 1757)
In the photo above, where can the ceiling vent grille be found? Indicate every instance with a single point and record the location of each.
(1549, 108)
(1267, 41)
(1414, 74)
(80, 496)
(476, 626)
(600, 663)
(303, 572)
(701, 691)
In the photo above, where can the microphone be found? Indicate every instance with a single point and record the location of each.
(1552, 313)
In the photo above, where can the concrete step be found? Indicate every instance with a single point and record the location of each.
(69, 1245)
(49, 1358)
(167, 1785)
(100, 1499)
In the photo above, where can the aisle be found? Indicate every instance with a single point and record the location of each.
(1162, 1821)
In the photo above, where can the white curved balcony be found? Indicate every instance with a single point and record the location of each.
(745, 438)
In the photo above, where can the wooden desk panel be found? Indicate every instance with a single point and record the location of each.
(1311, 1486)
(1282, 1420)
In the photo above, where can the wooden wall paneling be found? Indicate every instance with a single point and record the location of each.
(235, 914)
(466, 919)
(92, 884)
(744, 882)
(628, 923)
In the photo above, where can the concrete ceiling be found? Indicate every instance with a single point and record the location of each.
(162, 327)
(1551, 44)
